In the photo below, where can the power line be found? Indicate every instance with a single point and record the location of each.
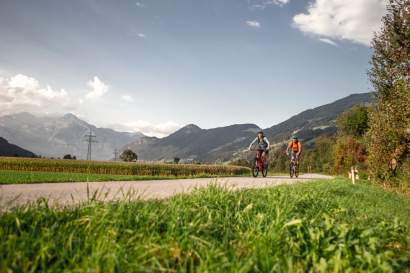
(90, 139)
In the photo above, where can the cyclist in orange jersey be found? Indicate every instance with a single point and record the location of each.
(294, 148)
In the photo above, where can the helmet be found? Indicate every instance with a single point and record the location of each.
(295, 137)
(261, 132)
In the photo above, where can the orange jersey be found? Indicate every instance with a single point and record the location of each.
(296, 147)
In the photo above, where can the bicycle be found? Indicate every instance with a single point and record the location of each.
(293, 167)
(260, 164)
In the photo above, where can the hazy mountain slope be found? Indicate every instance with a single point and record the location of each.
(8, 149)
(318, 121)
(56, 136)
(194, 143)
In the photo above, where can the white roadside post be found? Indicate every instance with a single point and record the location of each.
(353, 174)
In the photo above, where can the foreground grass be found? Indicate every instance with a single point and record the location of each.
(328, 226)
(17, 177)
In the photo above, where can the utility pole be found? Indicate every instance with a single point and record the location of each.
(115, 154)
(90, 139)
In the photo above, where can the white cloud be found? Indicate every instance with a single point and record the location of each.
(148, 128)
(23, 93)
(141, 35)
(328, 41)
(97, 88)
(262, 4)
(254, 24)
(279, 2)
(353, 20)
(127, 98)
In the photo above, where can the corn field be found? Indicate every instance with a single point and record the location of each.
(119, 168)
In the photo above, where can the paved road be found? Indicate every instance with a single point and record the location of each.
(62, 194)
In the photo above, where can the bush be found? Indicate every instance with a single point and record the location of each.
(349, 152)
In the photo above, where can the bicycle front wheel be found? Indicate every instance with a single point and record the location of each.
(255, 171)
(291, 170)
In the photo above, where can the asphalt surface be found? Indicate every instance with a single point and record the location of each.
(68, 194)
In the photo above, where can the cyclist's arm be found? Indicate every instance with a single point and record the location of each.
(300, 148)
(253, 142)
(267, 141)
(287, 149)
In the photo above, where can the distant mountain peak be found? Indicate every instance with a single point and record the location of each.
(192, 127)
(70, 116)
(189, 129)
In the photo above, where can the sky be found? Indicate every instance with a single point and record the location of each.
(156, 65)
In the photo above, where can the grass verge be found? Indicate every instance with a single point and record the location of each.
(326, 226)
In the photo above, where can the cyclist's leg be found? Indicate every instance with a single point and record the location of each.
(297, 158)
(259, 154)
(265, 156)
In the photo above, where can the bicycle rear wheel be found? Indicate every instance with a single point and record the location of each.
(265, 171)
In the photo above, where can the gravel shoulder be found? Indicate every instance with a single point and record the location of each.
(66, 194)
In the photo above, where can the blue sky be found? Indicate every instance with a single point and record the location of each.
(156, 65)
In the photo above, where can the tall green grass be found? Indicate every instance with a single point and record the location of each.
(329, 226)
(118, 168)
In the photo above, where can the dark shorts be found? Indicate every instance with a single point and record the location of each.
(260, 151)
(293, 155)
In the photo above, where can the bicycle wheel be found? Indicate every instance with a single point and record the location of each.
(255, 169)
(291, 170)
(296, 170)
(265, 171)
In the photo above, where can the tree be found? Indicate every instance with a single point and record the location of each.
(350, 148)
(389, 135)
(128, 156)
(176, 160)
(68, 156)
(320, 157)
(354, 122)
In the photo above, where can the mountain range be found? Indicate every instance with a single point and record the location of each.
(55, 136)
(192, 143)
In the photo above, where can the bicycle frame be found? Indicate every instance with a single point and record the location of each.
(293, 166)
(260, 163)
